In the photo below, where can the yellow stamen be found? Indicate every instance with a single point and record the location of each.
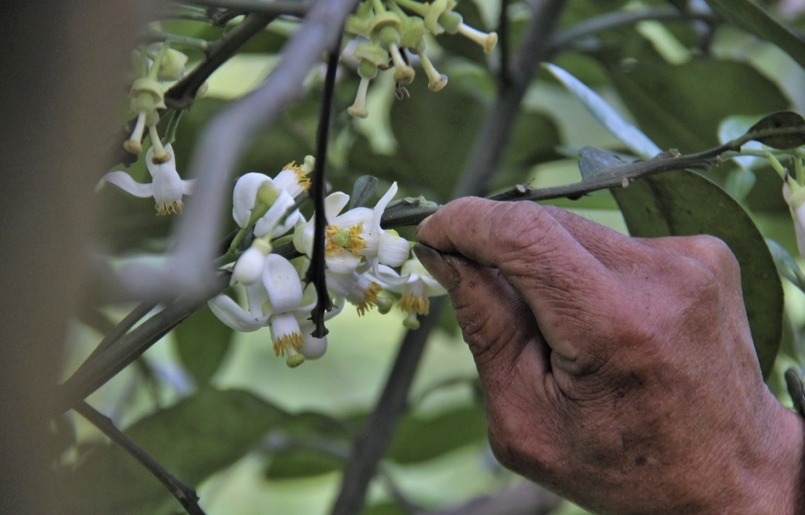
(301, 175)
(412, 303)
(369, 298)
(284, 344)
(167, 208)
(356, 243)
(330, 246)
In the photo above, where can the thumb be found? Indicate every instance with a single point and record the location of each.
(497, 324)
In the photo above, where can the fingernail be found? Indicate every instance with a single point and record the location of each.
(438, 265)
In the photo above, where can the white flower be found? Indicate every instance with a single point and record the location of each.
(796, 203)
(276, 302)
(416, 286)
(279, 218)
(354, 235)
(357, 289)
(167, 187)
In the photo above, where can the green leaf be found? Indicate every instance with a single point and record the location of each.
(193, 439)
(301, 462)
(362, 191)
(421, 439)
(386, 508)
(202, 342)
(755, 19)
(683, 203)
(627, 133)
(681, 106)
(781, 120)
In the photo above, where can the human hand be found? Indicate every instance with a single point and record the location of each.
(618, 372)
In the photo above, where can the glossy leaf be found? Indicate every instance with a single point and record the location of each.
(750, 16)
(606, 115)
(781, 120)
(202, 343)
(683, 203)
(421, 439)
(681, 106)
(193, 439)
(362, 191)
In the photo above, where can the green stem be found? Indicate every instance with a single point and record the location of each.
(415, 7)
(154, 71)
(173, 123)
(158, 35)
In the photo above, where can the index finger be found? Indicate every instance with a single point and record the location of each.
(565, 286)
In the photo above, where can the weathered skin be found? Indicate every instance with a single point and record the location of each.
(618, 372)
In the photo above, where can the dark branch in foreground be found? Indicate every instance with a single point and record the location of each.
(186, 496)
(315, 274)
(796, 390)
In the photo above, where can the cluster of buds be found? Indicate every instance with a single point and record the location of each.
(360, 258)
(148, 94)
(388, 32)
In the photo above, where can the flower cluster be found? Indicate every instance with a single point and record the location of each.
(360, 256)
(387, 32)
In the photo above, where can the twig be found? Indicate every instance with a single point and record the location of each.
(275, 7)
(375, 436)
(315, 274)
(619, 19)
(120, 329)
(96, 372)
(495, 132)
(504, 74)
(223, 140)
(182, 94)
(186, 496)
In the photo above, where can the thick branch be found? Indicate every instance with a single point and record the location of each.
(186, 496)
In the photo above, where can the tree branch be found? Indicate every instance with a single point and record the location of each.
(372, 442)
(186, 496)
(274, 7)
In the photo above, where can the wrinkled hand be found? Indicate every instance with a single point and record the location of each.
(618, 372)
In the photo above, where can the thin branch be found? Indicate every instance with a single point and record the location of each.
(96, 372)
(614, 20)
(315, 274)
(186, 496)
(497, 128)
(275, 7)
(375, 437)
(504, 74)
(182, 94)
(121, 328)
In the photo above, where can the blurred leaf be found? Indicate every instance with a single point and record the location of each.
(202, 342)
(782, 119)
(363, 190)
(739, 183)
(435, 132)
(420, 439)
(683, 203)
(297, 463)
(750, 16)
(786, 264)
(193, 439)
(678, 109)
(627, 133)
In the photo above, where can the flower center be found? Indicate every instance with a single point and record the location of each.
(347, 239)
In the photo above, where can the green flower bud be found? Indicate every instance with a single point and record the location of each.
(172, 65)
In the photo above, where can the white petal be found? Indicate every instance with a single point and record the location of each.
(244, 196)
(341, 284)
(228, 312)
(256, 299)
(249, 266)
(303, 238)
(334, 203)
(153, 168)
(283, 325)
(282, 284)
(313, 348)
(274, 215)
(393, 249)
(167, 184)
(343, 262)
(382, 203)
(354, 217)
(291, 221)
(288, 181)
(124, 181)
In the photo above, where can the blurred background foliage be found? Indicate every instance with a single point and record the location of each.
(254, 437)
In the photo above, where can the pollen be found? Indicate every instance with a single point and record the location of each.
(301, 175)
(356, 242)
(331, 246)
(285, 343)
(369, 298)
(167, 208)
(412, 303)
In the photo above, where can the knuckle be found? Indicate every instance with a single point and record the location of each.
(714, 254)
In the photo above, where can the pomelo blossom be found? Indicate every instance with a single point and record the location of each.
(354, 235)
(166, 186)
(794, 195)
(416, 286)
